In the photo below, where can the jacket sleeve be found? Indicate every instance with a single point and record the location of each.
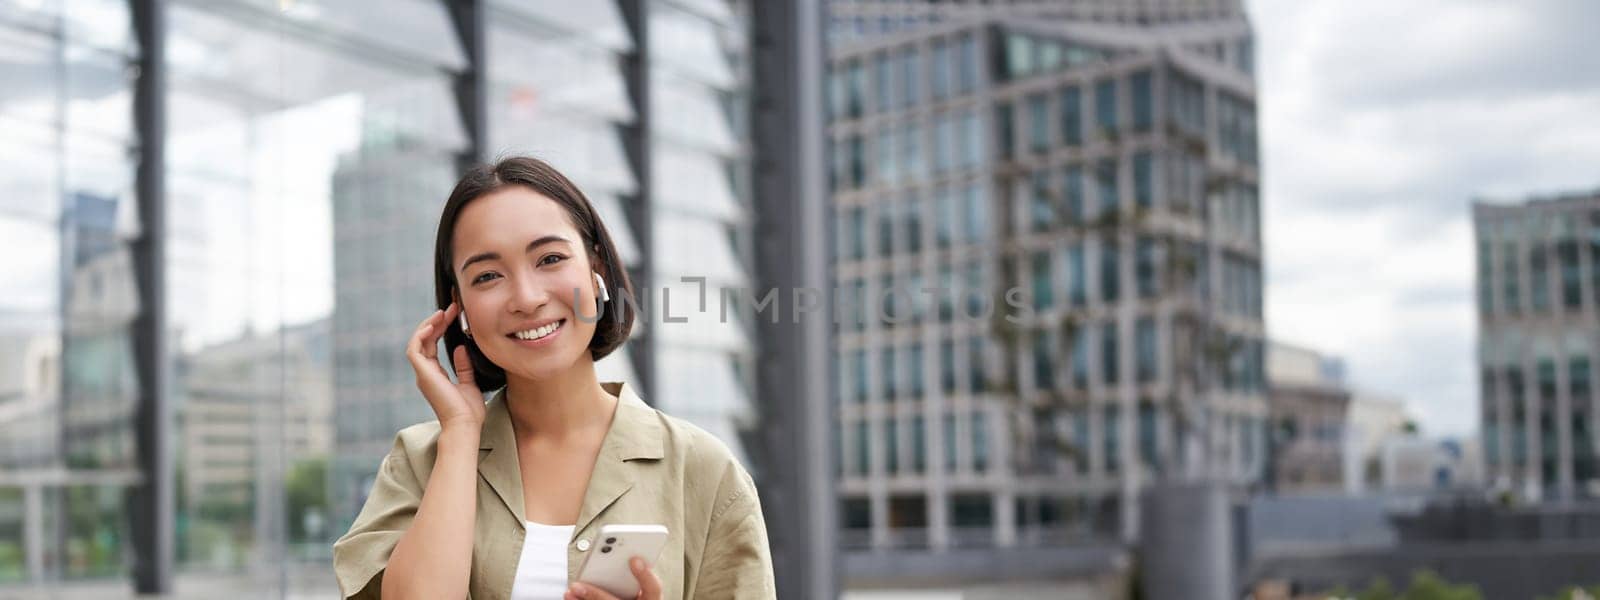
(738, 560)
(360, 556)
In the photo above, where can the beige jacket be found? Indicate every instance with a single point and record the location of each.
(652, 468)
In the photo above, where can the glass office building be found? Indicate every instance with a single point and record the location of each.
(1538, 296)
(308, 147)
(1049, 241)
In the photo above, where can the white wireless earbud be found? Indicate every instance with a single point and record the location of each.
(463, 321)
(605, 294)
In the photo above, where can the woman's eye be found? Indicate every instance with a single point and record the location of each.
(482, 277)
(547, 259)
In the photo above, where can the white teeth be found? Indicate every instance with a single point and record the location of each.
(536, 333)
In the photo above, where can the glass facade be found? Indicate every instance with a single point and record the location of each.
(309, 146)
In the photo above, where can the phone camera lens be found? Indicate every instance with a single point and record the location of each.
(605, 549)
(611, 540)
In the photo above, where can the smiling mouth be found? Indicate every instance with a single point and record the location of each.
(534, 335)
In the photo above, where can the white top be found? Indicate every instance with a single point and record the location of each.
(542, 569)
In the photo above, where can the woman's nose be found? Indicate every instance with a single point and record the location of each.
(530, 294)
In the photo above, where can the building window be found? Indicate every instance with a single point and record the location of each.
(1147, 436)
(1108, 353)
(1072, 116)
(891, 445)
(1043, 283)
(1038, 124)
(912, 168)
(1485, 275)
(1109, 269)
(949, 442)
(882, 70)
(966, 64)
(855, 513)
(858, 161)
(857, 83)
(1571, 274)
(970, 140)
(883, 172)
(1018, 56)
(947, 366)
(863, 449)
(1145, 261)
(1043, 363)
(1539, 271)
(1072, 189)
(1509, 275)
(1004, 136)
(887, 372)
(1106, 178)
(1077, 284)
(913, 220)
(886, 228)
(1080, 359)
(976, 373)
(1143, 106)
(977, 215)
(1111, 435)
(944, 142)
(971, 510)
(858, 364)
(910, 82)
(980, 442)
(1143, 180)
(919, 445)
(1043, 215)
(1146, 349)
(1105, 107)
(939, 77)
(916, 369)
(945, 225)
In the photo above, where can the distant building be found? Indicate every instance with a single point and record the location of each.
(1372, 420)
(1308, 408)
(1538, 280)
(1414, 465)
(1099, 166)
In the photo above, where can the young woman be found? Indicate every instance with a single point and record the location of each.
(503, 499)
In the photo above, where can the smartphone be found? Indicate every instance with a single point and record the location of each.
(606, 564)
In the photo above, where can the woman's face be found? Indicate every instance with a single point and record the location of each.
(519, 262)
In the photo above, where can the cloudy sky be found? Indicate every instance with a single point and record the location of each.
(1380, 122)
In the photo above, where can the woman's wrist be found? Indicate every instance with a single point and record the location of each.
(459, 433)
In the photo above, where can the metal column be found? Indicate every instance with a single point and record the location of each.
(792, 239)
(471, 85)
(151, 517)
(636, 144)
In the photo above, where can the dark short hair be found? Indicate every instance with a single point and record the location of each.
(610, 332)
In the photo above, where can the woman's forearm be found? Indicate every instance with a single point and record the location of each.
(434, 557)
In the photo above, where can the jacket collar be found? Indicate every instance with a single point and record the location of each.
(636, 434)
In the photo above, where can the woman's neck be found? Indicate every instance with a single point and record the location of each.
(559, 406)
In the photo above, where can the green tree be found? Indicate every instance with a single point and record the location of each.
(307, 491)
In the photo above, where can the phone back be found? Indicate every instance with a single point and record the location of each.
(606, 564)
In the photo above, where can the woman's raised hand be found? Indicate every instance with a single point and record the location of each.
(459, 403)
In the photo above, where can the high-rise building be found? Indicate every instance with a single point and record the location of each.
(1048, 265)
(1539, 344)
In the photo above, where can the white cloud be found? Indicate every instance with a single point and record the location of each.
(1381, 122)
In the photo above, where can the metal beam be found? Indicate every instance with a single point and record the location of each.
(151, 503)
(471, 85)
(636, 145)
(792, 237)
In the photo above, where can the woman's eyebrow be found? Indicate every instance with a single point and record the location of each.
(482, 256)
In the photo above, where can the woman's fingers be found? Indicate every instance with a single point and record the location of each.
(649, 585)
(581, 591)
(463, 365)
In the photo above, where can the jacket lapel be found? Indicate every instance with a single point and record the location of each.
(636, 439)
(497, 456)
